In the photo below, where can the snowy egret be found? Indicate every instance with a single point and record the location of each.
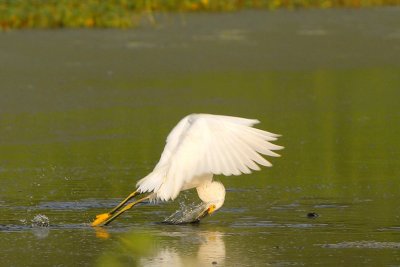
(198, 147)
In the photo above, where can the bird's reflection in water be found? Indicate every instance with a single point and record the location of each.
(188, 247)
(210, 248)
(213, 249)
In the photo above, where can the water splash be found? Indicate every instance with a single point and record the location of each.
(187, 213)
(40, 221)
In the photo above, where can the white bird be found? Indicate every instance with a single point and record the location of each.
(200, 146)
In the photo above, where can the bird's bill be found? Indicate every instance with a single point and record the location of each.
(208, 211)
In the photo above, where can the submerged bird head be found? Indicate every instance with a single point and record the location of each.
(213, 195)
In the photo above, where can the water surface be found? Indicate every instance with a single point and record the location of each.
(84, 115)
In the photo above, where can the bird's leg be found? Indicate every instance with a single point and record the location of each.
(127, 207)
(131, 195)
(100, 218)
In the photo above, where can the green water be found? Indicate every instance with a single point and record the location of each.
(84, 114)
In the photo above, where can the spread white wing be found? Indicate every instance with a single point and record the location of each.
(203, 144)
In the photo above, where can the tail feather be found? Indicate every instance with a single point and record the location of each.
(152, 182)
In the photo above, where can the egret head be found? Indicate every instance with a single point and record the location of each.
(213, 195)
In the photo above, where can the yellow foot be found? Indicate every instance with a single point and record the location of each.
(100, 219)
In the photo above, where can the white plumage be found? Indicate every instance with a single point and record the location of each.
(201, 145)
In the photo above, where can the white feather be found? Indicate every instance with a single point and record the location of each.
(201, 145)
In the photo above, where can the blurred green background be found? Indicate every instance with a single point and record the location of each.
(129, 13)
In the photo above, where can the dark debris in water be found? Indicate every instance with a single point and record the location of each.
(312, 215)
